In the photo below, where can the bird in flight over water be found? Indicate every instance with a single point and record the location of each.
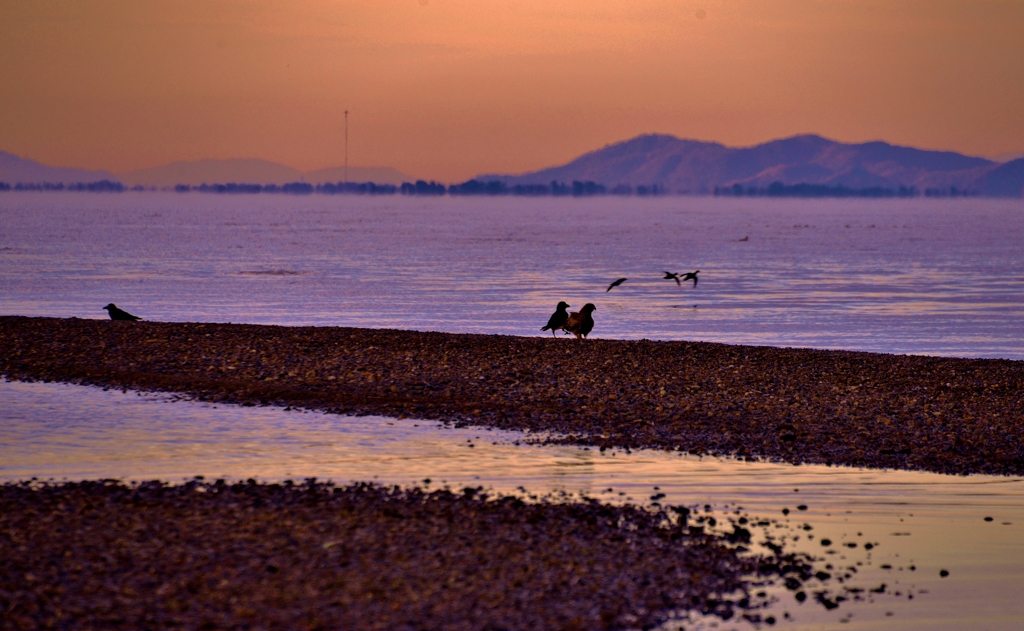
(118, 314)
(690, 276)
(557, 319)
(615, 283)
(581, 323)
(671, 276)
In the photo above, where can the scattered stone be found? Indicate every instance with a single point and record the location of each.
(717, 399)
(102, 554)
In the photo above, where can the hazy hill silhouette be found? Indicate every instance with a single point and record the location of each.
(14, 169)
(690, 166)
(253, 171)
(1006, 180)
(250, 170)
(378, 175)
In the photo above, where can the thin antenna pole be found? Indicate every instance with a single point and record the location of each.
(346, 148)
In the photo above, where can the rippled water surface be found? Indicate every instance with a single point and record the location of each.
(928, 521)
(942, 277)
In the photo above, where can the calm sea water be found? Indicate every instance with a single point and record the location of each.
(940, 277)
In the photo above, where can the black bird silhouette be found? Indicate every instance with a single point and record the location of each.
(671, 276)
(690, 276)
(581, 323)
(119, 314)
(615, 284)
(557, 319)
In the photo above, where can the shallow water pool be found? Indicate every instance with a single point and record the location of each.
(926, 521)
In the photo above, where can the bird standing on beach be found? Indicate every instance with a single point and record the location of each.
(671, 276)
(614, 284)
(119, 314)
(557, 319)
(690, 276)
(581, 323)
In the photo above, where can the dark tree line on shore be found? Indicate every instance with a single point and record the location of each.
(778, 189)
(420, 187)
(102, 186)
(497, 188)
(555, 188)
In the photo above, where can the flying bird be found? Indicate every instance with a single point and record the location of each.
(671, 276)
(119, 314)
(580, 323)
(746, 238)
(557, 319)
(690, 276)
(614, 284)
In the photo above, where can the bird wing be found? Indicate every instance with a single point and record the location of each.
(615, 283)
(586, 325)
(573, 322)
(556, 321)
(121, 314)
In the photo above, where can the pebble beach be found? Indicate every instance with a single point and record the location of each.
(945, 415)
(312, 555)
(210, 555)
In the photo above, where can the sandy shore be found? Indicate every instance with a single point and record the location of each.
(100, 555)
(796, 405)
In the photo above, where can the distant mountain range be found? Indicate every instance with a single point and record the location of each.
(14, 169)
(690, 166)
(665, 162)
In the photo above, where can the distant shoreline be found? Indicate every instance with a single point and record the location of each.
(945, 415)
(496, 188)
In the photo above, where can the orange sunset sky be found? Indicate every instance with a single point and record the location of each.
(448, 89)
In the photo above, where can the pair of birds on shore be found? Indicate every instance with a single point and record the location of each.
(679, 278)
(579, 323)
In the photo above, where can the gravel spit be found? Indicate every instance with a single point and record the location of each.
(946, 415)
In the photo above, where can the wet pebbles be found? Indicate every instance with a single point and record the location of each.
(102, 554)
(796, 405)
